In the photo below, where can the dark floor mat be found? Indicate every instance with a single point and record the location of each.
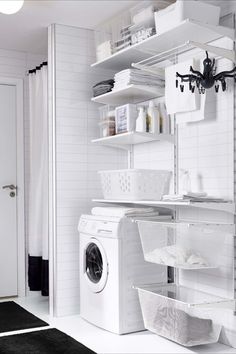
(48, 341)
(13, 318)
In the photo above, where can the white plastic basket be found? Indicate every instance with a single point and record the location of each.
(182, 10)
(135, 184)
(180, 314)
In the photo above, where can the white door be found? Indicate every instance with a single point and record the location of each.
(8, 210)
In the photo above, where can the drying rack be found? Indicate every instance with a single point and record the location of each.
(158, 62)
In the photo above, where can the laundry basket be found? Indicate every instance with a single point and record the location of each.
(180, 314)
(135, 184)
(187, 245)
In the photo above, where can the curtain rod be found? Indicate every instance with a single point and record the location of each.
(33, 71)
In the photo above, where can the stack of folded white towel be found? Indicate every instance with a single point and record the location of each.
(137, 77)
(124, 211)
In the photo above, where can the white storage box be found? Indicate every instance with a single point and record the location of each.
(125, 118)
(135, 184)
(180, 314)
(182, 10)
(187, 245)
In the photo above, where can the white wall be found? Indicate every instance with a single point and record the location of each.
(16, 64)
(205, 149)
(77, 160)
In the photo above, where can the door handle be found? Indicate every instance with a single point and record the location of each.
(9, 186)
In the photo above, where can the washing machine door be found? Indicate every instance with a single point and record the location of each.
(95, 265)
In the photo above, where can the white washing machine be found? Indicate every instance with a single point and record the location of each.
(111, 262)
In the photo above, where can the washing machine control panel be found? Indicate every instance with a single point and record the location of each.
(95, 227)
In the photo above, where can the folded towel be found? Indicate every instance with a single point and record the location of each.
(177, 101)
(120, 211)
(192, 197)
(137, 77)
(194, 116)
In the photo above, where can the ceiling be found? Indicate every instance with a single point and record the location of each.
(27, 30)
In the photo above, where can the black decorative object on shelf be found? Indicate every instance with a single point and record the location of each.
(206, 80)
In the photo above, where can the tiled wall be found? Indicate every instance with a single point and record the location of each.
(15, 64)
(157, 155)
(205, 150)
(77, 160)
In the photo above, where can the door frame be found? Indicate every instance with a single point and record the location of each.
(20, 200)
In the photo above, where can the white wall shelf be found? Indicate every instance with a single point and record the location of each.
(125, 140)
(176, 36)
(130, 94)
(226, 207)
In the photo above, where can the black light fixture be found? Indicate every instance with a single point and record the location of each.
(208, 79)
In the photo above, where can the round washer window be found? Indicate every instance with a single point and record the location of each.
(94, 263)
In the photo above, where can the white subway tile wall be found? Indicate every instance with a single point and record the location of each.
(205, 151)
(78, 160)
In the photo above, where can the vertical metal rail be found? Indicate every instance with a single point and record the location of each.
(176, 172)
(173, 273)
(131, 157)
(52, 172)
(234, 147)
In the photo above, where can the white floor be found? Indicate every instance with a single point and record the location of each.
(104, 342)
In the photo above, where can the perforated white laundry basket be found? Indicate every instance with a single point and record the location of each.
(180, 314)
(135, 184)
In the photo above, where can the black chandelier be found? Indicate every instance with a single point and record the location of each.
(208, 79)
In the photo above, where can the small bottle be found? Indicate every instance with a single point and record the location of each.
(154, 118)
(164, 119)
(141, 120)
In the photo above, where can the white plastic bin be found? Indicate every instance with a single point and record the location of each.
(180, 314)
(125, 116)
(182, 10)
(187, 245)
(135, 184)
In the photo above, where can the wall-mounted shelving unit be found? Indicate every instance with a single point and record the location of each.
(126, 140)
(176, 36)
(131, 94)
(154, 54)
(225, 207)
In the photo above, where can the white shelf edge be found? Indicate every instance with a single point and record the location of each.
(112, 96)
(226, 207)
(224, 304)
(218, 302)
(122, 140)
(221, 31)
